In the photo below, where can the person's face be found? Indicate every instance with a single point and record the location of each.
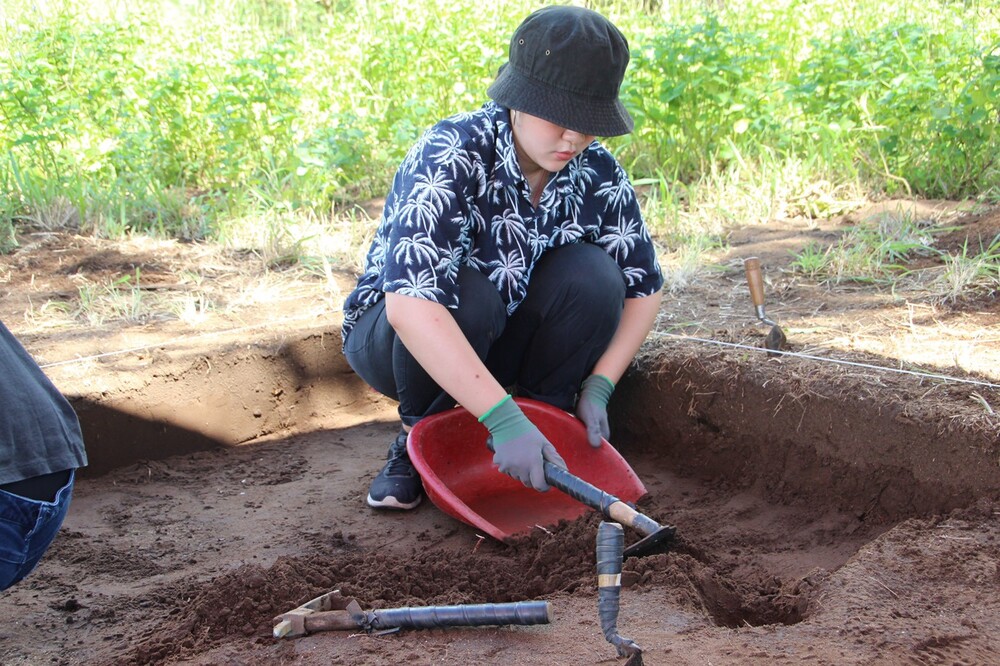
(544, 145)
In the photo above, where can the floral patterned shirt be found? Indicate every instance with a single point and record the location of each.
(459, 199)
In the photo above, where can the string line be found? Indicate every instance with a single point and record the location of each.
(734, 345)
(825, 359)
(176, 340)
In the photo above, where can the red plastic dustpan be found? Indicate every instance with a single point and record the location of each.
(449, 450)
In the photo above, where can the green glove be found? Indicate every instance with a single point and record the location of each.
(592, 407)
(519, 447)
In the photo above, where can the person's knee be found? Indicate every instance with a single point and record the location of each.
(604, 281)
(481, 313)
(590, 275)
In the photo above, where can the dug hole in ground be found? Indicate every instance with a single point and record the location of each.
(825, 513)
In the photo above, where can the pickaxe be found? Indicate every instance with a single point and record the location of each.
(332, 612)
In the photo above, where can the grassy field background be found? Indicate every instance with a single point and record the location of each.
(262, 124)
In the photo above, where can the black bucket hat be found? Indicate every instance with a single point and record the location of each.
(566, 66)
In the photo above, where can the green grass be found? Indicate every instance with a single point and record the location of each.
(976, 270)
(880, 251)
(257, 122)
(872, 252)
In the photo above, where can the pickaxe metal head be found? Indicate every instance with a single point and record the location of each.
(651, 544)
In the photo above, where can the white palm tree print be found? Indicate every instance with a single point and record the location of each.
(435, 188)
(506, 272)
(620, 238)
(419, 248)
(422, 284)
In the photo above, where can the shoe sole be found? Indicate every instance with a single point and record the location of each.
(391, 502)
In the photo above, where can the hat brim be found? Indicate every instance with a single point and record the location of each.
(586, 115)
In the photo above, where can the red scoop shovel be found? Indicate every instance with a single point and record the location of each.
(450, 453)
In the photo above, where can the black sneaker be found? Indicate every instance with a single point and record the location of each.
(398, 485)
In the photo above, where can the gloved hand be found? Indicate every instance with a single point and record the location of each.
(519, 448)
(592, 407)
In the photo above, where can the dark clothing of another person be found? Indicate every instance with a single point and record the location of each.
(41, 446)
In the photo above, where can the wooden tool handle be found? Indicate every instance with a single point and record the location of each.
(755, 280)
(335, 620)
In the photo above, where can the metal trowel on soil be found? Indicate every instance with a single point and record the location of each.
(775, 339)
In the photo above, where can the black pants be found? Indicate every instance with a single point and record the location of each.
(543, 351)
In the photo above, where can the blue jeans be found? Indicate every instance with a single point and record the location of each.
(544, 350)
(27, 528)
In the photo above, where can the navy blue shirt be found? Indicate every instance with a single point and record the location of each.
(39, 431)
(459, 199)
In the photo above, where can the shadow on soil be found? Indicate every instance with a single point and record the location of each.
(199, 401)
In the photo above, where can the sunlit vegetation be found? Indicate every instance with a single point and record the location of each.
(264, 121)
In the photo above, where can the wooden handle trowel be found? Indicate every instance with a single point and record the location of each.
(775, 339)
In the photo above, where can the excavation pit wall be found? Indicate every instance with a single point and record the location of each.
(736, 451)
(168, 401)
(876, 445)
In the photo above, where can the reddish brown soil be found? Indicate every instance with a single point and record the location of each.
(826, 513)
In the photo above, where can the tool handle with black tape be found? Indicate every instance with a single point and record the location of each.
(656, 537)
(462, 615)
(609, 505)
(432, 617)
(610, 548)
